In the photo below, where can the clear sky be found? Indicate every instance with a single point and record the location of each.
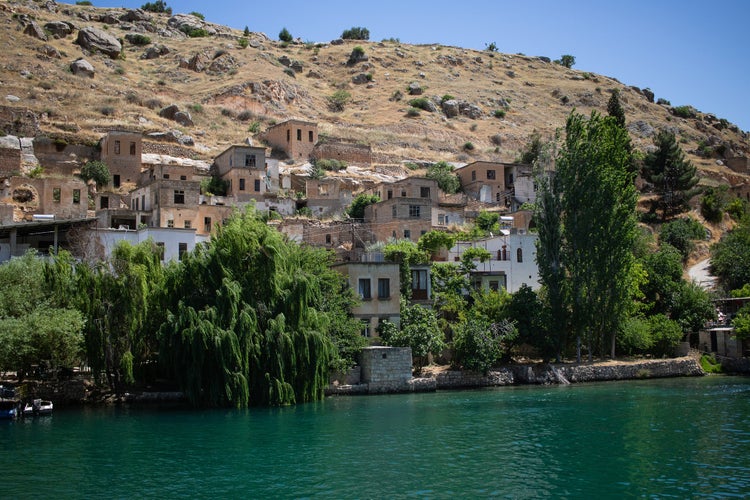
(694, 52)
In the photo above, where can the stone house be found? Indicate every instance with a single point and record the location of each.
(296, 138)
(121, 151)
(512, 263)
(718, 337)
(489, 182)
(377, 285)
(57, 197)
(327, 197)
(407, 209)
(244, 168)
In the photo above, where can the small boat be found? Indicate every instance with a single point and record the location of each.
(38, 407)
(8, 409)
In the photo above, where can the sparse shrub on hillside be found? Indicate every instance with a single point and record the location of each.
(496, 139)
(338, 100)
(290, 72)
(499, 113)
(397, 96)
(330, 164)
(684, 111)
(413, 112)
(243, 42)
(411, 165)
(160, 7)
(491, 47)
(566, 60)
(245, 115)
(153, 103)
(420, 103)
(391, 40)
(139, 39)
(663, 102)
(194, 32)
(46, 85)
(246, 32)
(198, 15)
(468, 146)
(446, 97)
(133, 98)
(254, 128)
(196, 108)
(649, 94)
(107, 110)
(285, 36)
(356, 33)
(358, 53)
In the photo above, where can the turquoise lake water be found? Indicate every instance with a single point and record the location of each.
(674, 438)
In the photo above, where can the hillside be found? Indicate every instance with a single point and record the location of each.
(232, 92)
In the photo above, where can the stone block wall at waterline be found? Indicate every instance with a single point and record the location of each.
(386, 369)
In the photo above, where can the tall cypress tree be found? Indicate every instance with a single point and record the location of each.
(614, 108)
(674, 178)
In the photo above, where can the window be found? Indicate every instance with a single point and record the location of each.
(310, 136)
(183, 177)
(384, 288)
(328, 239)
(117, 147)
(494, 285)
(424, 192)
(390, 194)
(182, 249)
(403, 193)
(257, 185)
(132, 148)
(490, 174)
(299, 134)
(135, 204)
(503, 254)
(364, 289)
(116, 180)
(394, 211)
(414, 211)
(441, 219)
(249, 160)
(165, 176)
(170, 222)
(104, 202)
(207, 224)
(407, 234)
(179, 197)
(419, 284)
(323, 189)
(497, 197)
(143, 202)
(288, 135)
(473, 175)
(56, 195)
(160, 249)
(365, 327)
(188, 224)
(242, 184)
(519, 255)
(76, 196)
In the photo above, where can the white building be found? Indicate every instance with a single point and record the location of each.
(174, 241)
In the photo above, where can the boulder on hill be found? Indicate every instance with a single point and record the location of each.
(48, 51)
(82, 67)
(96, 40)
(172, 112)
(450, 108)
(59, 29)
(155, 51)
(134, 16)
(108, 18)
(415, 88)
(33, 29)
(187, 23)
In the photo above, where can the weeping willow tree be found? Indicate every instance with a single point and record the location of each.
(249, 318)
(118, 299)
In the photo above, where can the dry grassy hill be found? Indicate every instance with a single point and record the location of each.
(236, 92)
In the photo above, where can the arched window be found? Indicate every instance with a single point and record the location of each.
(519, 255)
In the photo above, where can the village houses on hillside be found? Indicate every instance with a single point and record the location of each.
(178, 203)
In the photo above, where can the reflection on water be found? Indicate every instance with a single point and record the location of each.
(660, 438)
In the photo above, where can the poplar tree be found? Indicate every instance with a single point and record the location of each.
(674, 177)
(598, 202)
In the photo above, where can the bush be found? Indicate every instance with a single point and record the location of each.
(338, 100)
(357, 209)
(491, 47)
(666, 334)
(254, 127)
(710, 365)
(684, 111)
(243, 42)
(245, 115)
(712, 204)
(330, 164)
(84, 2)
(567, 60)
(737, 209)
(420, 103)
(442, 172)
(397, 96)
(214, 186)
(413, 112)
(356, 33)
(663, 102)
(194, 32)
(96, 170)
(285, 36)
(160, 7)
(499, 113)
(681, 233)
(478, 344)
(139, 39)
(468, 146)
(198, 15)
(107, 110)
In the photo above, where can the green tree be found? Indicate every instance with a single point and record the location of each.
(338, 100)
(567, 60)
(532, 150)
(433, 241)
(419, 330)
(246, 32)
(681, 234)
(730, 258)
(713, 202)
(614, 108)
(96, 170)
(407, 254)
(488, 221)
(479, 344)
(356, 33)
(598, 227)
(672, 175)
(159, 6)
(357, 209)
(442, 172)
(741, 323)
(285, 36)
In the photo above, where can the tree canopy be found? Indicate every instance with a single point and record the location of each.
(442, 172)
(674, 177)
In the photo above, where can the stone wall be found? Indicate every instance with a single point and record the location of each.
(357, 154)
(18, 121)
(60, 393)
(386, 369)
(10, 157)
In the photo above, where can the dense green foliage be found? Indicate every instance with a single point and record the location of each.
(713, 202)
(406, 254)
(434, 241)
(614, 108)
(214, 185)
(356, 33)
(479, 345)
(674, 177)
(567, 60)
(96, 170)
(419, 330)
(442, 173)
(532, 150)
(357, 209)
(730, 258)
(338, 100)
(681, 234)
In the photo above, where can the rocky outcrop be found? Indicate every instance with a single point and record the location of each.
(187, 23)
(49, 52)
(82, 67)
(450, 108)
(59, 29)
(415, 88)
(172, 112)
(33, 29)
(155, 51)
(96, 40)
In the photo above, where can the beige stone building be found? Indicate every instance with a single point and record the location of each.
(407, 210)
(296, 138)
(245, 170)
(55, 197)
(489, 182)
(121, 151)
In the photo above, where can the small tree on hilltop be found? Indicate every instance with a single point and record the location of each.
(614, 108)
(96, 170)
(285, 36)
(160, 7)
(356, 33)
(567, 60)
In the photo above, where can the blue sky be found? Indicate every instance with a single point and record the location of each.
(687, 51)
